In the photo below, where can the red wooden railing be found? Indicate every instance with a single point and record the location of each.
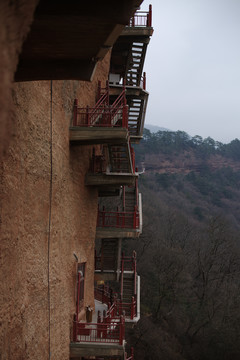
(88, 116)
(121, 219)
(103, 92)
(120, 104)
(127, 309)
(142, 18)
(110, 330)
(119, 164)
(118, 219)
(104, 293)
(129, 262)
(132, 158)
(103, 114)
(115, 306)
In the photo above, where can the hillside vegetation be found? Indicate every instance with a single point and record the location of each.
(189, 253)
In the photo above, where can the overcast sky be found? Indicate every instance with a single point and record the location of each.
(193, 67)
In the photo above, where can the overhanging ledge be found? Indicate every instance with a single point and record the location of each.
(68, 38)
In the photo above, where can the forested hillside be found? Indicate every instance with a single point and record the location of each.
(189, 253)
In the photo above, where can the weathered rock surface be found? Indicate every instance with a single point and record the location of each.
(47, 216)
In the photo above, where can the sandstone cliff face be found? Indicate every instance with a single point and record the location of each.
(15, 19)
(47, 216)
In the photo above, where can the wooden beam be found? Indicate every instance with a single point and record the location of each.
(100, 180)
(137, 31)
(97, 135)
(96, 349)
(108, 233)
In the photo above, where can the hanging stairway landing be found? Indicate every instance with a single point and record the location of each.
(103, 123)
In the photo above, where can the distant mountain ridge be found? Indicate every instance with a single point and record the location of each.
(155, 128)
(190, 250)
(203, 173)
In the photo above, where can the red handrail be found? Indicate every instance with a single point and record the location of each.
(132, 158)
(101, 332)
(92, 113)
(103, 114)
(142, 18)
(149, 21)
(118, 219)
(122, 269)
(124, 191)
(78, 292)
(135, 272)
(128, 309)
(136, 191)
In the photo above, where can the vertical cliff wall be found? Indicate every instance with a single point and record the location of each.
(47, 215)
(15, 21)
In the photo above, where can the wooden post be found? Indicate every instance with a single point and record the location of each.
(121, 330)
(125, 116)
(75, 112)
(107, 90)
(104, 330)
(135, 273)
(99, 321)
(87, 116)
(78, 293)
(75, 328)
(149, 20)
(122, 268)
(132, 308)
(135, 217)
(144, 81)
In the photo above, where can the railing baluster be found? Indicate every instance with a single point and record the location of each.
(75, 110)
(150, 16)
(75, 328)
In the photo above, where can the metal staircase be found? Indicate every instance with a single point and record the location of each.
(135, 62)
(120, 158)
(127, 301)
(136, 116)
(131, 200)
(128, 288)
(109, 254)
(128, 293)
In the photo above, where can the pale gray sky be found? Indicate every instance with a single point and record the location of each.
(193, 67)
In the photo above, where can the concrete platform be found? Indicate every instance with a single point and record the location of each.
(97, 135)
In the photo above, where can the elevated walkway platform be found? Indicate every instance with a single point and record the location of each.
(78, 350)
